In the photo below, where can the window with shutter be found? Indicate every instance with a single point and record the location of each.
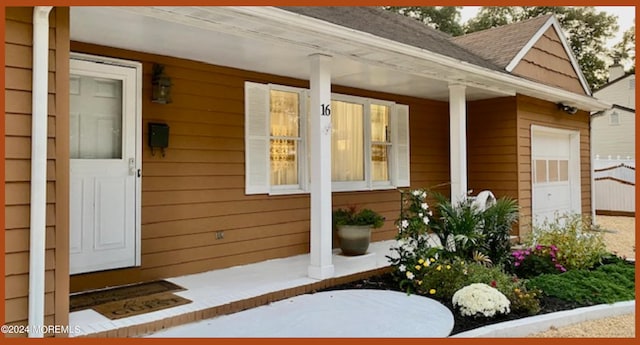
(370, 141)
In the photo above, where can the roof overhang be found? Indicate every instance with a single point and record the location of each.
(361, 59)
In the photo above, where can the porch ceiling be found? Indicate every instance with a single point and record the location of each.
(222, 36)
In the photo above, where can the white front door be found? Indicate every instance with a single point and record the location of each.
(555, 165)
(104, 168)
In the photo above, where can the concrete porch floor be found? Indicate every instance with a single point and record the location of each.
(233, 289)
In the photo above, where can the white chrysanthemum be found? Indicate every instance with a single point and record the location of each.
(480, 299)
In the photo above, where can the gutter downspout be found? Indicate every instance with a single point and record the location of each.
(37, 229)
(592, 168)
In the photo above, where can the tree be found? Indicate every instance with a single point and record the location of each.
(585, 29)
(443, 18)
(624, 52)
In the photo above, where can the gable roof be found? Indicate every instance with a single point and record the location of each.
(507, 45)
(393, 26)
(501, 44)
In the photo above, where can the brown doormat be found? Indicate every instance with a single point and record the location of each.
(139, 305)
(90, 299)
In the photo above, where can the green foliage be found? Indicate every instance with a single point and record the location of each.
(442, 278)
(578, 246)
(350, 216)
(606, 284)
(498, 220)
(511, 286)
(531, 262)
(458, 226)
(624, 52)
(443, 18)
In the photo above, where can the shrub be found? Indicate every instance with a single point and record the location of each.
(578, 246)
(442, 278)
(535, 261)
(605, 284)
(480, 300)
(521, 298)
(498, 219)
(350, 216)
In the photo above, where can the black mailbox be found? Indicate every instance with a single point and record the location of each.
(158, 137)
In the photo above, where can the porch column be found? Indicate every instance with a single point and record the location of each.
(458, 141)
(320, 266)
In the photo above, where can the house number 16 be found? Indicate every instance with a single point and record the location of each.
(325, 109)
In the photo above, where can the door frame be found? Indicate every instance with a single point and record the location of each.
(138, 142)
(574, 165)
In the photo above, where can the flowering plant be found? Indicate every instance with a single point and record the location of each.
(480, 299)
(350, 216)
(537, 260)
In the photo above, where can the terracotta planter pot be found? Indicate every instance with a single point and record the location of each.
(354, 239)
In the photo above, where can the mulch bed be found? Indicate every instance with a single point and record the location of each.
(461, 323)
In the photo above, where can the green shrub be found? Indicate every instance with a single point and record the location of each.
(498, 220)
(605, 284)
(578, 246)
(522, 300)
(442, 278)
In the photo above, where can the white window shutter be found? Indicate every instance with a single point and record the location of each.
(400, 146)
(256, 138)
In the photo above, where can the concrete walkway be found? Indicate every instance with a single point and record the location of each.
(341, 313)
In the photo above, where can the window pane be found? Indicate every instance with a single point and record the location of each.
(284, 162)
(95, 118)
(284, 114)
(380, 123)
(347, 141)
(564, 170)
(380, 162)
(553, 170)
(541, 171)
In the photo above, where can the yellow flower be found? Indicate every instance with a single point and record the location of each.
(432, 260)
(419, 282)
(418, 267)
(421, 261)
(432, 291)
(426, 263)
(516, 290)
(439, 268)
(448, 267)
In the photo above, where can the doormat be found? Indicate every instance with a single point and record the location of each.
(90, 299)
(139, 305)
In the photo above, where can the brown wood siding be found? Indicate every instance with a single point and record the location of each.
(532, 111)
(197, 189)
(491, 144)
(18, 63)
(547, 62)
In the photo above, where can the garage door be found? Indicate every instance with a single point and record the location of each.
(555, 156)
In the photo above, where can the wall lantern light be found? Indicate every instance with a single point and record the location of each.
(161, 85)
(567, 108)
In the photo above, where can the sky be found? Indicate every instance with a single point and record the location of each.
(625, 14)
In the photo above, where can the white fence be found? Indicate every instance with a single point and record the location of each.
(615, 186)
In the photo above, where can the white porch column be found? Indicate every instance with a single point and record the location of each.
(458, 141)
(320, 266)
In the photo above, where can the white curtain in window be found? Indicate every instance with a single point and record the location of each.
(347, 142)
(380, 138)
(285, 136)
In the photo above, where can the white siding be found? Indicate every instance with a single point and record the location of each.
(620, 92)
(614, 140)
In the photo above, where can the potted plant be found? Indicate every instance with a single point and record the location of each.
(354, 228)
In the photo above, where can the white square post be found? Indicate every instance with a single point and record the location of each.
(458, 141)
(320, 266)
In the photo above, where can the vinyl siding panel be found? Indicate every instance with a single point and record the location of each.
(614, 140)
(536, 112)
(197, 189)
(18, 63)
(547, 62)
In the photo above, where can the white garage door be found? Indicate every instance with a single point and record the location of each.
(555, 163)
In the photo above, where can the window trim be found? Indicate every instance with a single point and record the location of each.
(396, 119)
